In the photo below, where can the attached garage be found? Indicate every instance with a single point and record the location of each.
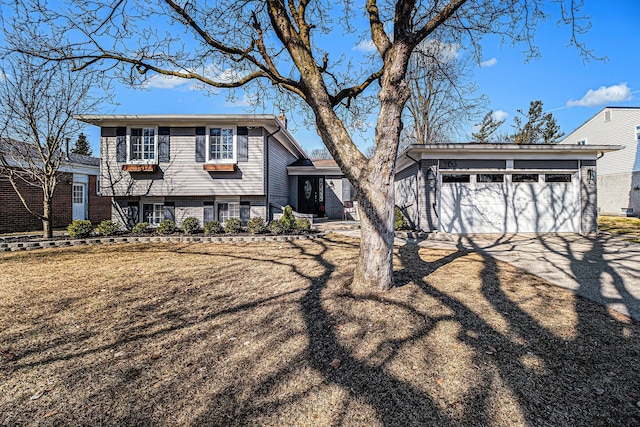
(499, 188)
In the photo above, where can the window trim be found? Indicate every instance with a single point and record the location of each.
(234, 158)
(225, 202)
(153, 161)
(154, 204)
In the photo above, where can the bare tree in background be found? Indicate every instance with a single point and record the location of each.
(275, 48)
(37, 104)
(443, 97)
(320, 153)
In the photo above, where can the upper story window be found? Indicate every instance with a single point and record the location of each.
(582, 142)
(143, 145)
(221, 145)
(638, 133)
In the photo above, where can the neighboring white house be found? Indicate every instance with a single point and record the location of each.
(619, 171)
(499, 188)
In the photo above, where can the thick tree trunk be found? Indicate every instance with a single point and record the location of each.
(374, 269)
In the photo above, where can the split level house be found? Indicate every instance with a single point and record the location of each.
(618, 172)
(215, 167)
(211, 167)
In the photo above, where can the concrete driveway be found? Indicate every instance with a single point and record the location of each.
(604, 269)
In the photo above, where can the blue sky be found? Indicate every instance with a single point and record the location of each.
(574, 90)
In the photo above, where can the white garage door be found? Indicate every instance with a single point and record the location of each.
(522, 203)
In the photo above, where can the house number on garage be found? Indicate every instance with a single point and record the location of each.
(450, 164)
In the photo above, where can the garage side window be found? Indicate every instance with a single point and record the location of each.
(557, 177)
(487, 178)
(455, 177)
(524, 177)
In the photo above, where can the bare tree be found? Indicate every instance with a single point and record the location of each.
(320, 153)
(37, 102)
(539, 128)
(443, 97)
(487, 129)
(277, 44)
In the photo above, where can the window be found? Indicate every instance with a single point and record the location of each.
(142, 145)
(77, 193)
(484, 177)
(152, 213)
(451, 177)
(524, 177)
(221, 145)
(228, 210)
(638, 133)
(98, 191)
(557, 177)
(607, 115)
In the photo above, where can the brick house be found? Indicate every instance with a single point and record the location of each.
(77, 196)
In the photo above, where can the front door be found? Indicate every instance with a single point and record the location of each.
(308, 194)
(79, 199)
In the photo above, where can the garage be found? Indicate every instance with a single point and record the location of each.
(499, 188)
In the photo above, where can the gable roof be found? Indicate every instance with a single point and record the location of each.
(268, 121)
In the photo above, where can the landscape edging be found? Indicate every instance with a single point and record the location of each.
(26, 246)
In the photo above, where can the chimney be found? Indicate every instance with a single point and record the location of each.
(283, 119)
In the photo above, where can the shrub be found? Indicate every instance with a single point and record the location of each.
(302, 224)
(256, 225)
(276, 227)
(80, 228)
(140, 228)
(288, 220)
(232, 225)
(167, 226)
(212, 227)
(190, 225)
(108, 227)
(400, 222)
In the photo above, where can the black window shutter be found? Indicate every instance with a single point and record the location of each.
(163, 144)
(121, 145)
(243, 144)
(201, 144)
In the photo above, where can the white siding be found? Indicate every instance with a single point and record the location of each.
(620, 130)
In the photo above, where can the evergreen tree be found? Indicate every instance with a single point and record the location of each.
(540, 128)
(82, 146)
(488, 127)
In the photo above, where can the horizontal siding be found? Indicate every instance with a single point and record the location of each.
(620, 130)
(182, 175)
(279, 159)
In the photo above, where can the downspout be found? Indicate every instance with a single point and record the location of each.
(266, 170)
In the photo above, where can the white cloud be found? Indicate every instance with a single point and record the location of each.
(603, 95)
(161, 81)
(500, 115)
(245, 101)
(489, 62)
(366, 46)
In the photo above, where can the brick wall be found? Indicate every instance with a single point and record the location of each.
(99, 206)
(13, 215)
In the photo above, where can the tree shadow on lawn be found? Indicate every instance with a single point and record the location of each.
(301, 348)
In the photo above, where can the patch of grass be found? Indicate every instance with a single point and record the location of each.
(619, 225)
(271, 334)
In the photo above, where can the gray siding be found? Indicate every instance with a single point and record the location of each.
(279, 159)
(182, 175)
(588, 200)
(416, 196)
(333, 196)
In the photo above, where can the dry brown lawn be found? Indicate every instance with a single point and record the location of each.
(271, 334)
(619, 225)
